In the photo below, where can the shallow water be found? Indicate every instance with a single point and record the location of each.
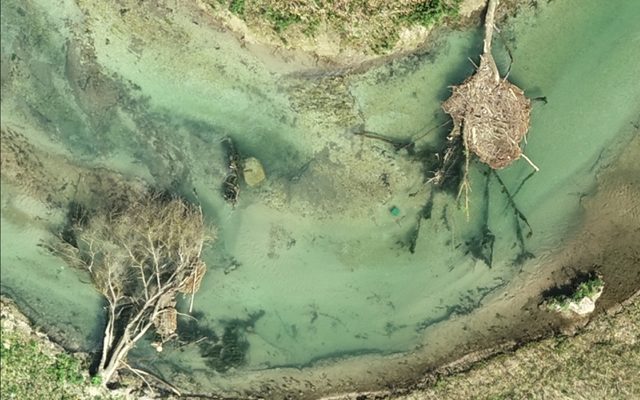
(312, 264)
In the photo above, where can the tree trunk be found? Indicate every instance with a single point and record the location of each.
(489, 25)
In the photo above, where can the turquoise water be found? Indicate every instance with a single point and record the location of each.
(313, 264)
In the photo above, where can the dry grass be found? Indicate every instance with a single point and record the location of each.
(372, 25)
(601, 362)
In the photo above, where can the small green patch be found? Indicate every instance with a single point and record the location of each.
(280, 20)
(588, 288)
(96, 380)
(66, 369)
(237, 7)
(430, 12)
(311, 28)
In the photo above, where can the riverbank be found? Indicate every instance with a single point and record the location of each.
(601, 360)
(351, 34)
(35, 367)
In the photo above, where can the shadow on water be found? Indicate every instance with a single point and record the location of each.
(465, 66)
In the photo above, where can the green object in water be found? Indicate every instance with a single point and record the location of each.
(395, 211)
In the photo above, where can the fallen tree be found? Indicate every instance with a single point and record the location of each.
(139, 253)
(490, 114)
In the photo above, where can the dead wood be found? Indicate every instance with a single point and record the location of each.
(490, 113)
(139, 255)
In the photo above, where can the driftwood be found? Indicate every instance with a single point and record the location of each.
(491, 114)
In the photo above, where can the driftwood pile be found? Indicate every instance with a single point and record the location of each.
(490, 113)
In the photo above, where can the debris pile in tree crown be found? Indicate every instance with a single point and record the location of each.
(490, 113)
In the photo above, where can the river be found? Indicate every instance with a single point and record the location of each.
(344, 254)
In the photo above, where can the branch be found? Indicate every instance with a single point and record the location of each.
(530, 162)
(140, 374)
(489, 25)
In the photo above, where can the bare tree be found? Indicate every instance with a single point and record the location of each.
(139, 256)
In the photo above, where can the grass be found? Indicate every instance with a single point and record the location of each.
(429, 13)
(237, 7)
(280, 20)
(32, 369)
(369, 25)
(31, 372)
(600, 362)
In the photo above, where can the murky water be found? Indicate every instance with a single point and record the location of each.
(322, 260)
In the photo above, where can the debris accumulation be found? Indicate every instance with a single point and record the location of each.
(490, 118)
(491, 114)
(140, 253)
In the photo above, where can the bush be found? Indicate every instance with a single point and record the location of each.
(588, 288)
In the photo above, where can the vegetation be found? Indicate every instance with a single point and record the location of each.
(29, 372)
(33, 370)
(601, 362)
(589, 288)
(237, 7)
(280, 20)
(427, 13)
(139, 253)
(368, 24)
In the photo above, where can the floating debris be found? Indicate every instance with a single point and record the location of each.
(489, 113)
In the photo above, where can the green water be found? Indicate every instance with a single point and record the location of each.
(317, 257)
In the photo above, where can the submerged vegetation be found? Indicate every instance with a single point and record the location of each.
(373, 25)
(219, 352)
(139, 263)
